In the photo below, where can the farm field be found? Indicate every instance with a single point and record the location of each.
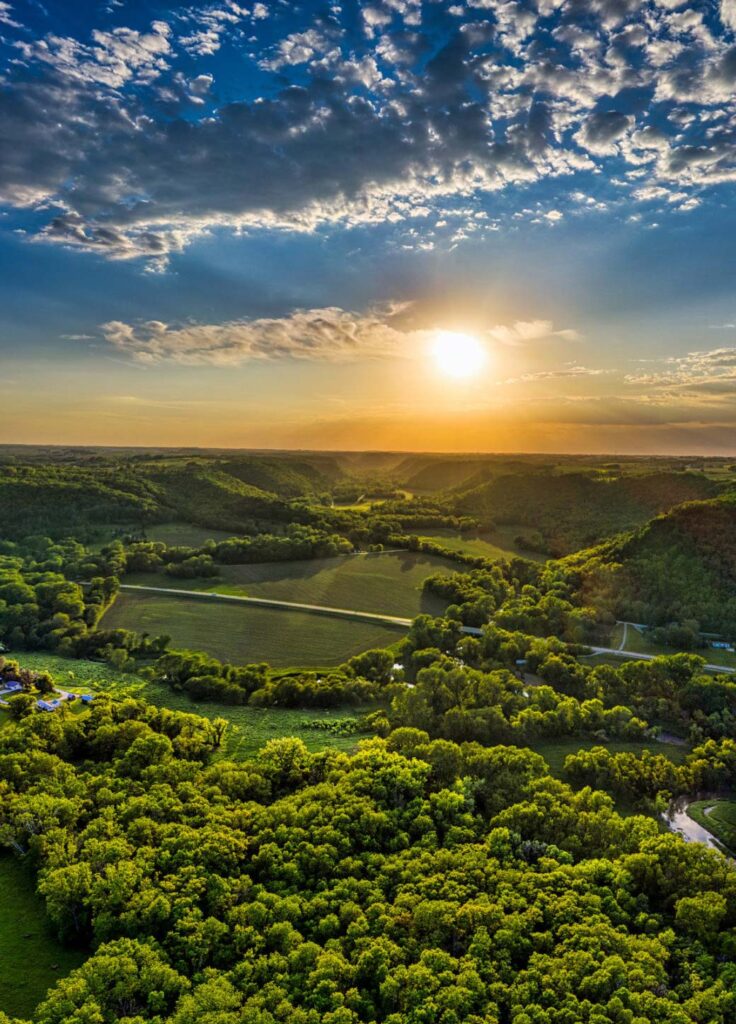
(250, 728)
(641, 644)
(31, 957)
(719, 817)
(498, 544)
(383, 583)
(245, 634)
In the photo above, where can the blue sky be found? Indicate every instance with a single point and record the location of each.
(245, 224)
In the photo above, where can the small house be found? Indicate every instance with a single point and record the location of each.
(12, 686)
(48, 705)
(87, 698)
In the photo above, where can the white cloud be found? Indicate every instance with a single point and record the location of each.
(330, 334)
(525, 332)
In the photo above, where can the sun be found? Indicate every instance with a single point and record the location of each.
(458, 355)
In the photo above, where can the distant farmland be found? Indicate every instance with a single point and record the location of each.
(243, 634)
(385, 583)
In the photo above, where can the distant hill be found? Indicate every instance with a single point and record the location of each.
(287, 477)
(680, 566)
(58, 501)
(575, 510)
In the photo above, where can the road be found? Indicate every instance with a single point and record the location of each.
(617, 652)
(359, 616)
(264, 602)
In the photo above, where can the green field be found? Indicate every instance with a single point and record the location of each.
(719, 817)
(250, 728)
(383, 583)
(244, 634)
(498, 544)
(184, 534)
(32, 959)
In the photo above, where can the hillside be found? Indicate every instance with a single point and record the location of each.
(61, 501)
(576, 510)
(680, 566)
(289, 478)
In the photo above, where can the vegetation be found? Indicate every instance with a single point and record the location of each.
(387, 584)
(33, 959)
(574, 510)
(414, 880)
(245, 633)
(679, 568)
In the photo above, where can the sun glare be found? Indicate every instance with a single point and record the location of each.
(458, 355)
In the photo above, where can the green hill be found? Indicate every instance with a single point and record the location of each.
(289, 478)
(575, 510)
(680, 566)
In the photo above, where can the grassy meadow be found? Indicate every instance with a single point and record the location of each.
(554, 751)
(244, 634)
(497, 544)
(31, 957)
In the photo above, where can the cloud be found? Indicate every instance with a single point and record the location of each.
(328, 335)
(525, 332)
(119, 147)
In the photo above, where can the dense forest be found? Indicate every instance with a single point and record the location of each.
(415, 881)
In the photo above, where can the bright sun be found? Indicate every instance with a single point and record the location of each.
(458, 355)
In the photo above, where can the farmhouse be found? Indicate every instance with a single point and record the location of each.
(48, 705)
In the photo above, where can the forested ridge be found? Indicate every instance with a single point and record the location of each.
(574, 510)
(679, 567)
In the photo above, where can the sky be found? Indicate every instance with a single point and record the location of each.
(490, 225)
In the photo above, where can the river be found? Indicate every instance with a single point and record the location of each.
(678, 820)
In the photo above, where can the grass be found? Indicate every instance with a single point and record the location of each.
(384, 583)
(184, 534)
(554, 751)
(720, 819)
(250, 728)
(32, 959)
(500, 544)
(244, 634)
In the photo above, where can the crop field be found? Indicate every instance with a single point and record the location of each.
(184, 534)
(499, 544)
(245, 634)
(383, 583)
(31, 957)
(719, 817)
(250, 728)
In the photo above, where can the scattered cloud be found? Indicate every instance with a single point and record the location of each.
(348, 124)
